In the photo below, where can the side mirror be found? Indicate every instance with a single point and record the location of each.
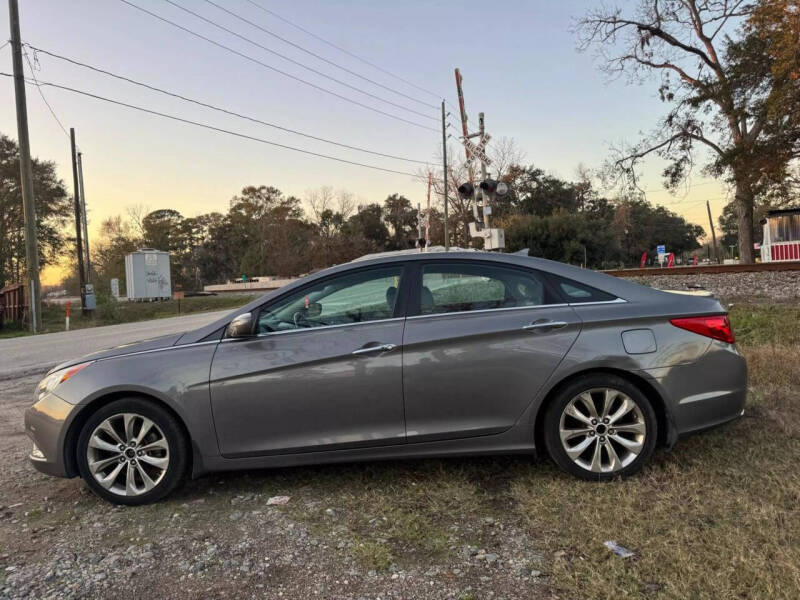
(240, 327)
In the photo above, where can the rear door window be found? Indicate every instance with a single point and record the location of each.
(460, 287)
(577, 293)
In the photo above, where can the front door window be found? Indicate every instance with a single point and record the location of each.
(360, 297)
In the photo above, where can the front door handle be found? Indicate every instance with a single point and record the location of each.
(378, 348)
(545, 324)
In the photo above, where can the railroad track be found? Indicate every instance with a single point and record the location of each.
(705, 269)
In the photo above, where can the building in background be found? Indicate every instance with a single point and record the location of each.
(781, 235)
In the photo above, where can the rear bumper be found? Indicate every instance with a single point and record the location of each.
(708, 392)
(46, 425)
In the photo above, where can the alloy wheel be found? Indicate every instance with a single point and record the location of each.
(128, 454)
(602, 430)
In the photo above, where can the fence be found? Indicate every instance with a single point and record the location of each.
(12, 303)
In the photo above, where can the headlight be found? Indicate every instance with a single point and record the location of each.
(52, 381)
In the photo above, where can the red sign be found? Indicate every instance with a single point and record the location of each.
(68, 309)
(671, 260)
(643, 262)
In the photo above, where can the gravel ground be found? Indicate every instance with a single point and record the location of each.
(218, 538)
(781, 286)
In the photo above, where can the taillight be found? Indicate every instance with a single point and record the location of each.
(717, 327)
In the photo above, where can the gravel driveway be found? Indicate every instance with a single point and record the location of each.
(218, 538)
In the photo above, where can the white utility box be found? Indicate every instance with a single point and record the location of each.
(147, 275)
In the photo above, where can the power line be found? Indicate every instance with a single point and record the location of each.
(340, 49)
(213, 128)
(318, 56)
(271, 68)
(693, 185)
(296, 62)
(216, 108)
(41, 93)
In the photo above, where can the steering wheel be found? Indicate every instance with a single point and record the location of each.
(300, 320)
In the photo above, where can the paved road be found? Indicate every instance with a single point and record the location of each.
(34, 354)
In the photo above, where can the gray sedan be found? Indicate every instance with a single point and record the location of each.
(411, 355)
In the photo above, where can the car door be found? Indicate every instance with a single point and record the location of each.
(322, 370)
(480, 340)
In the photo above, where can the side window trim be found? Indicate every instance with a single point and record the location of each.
(400, 304)
(321, 327)
(415, 273)
(490, 310)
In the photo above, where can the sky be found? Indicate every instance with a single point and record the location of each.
(518, 59)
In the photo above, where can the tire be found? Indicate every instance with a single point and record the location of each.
(145, 470)
(617, 440)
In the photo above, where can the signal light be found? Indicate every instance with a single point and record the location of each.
(488, 185)
(466, 190)
(717, 327)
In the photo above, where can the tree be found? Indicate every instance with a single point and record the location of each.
(117, 238)
(563, 236)
(368, 224)
(268, 232)
(164, 230)
(723, 93)
(640, 227)
(402, 218)
(729, 225)
(53, 211)
(533, 192)
(214, 255)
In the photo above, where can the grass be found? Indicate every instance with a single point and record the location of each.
(110, 312)
(762, 324)
(715, 518)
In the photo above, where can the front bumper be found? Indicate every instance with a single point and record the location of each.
(46, 423)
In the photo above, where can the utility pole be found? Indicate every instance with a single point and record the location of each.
(713, 233)
(428, 212)
(83, 214)
(419, 226)
(444, 176)
(466, 136)
(484, 195)
(26, 172)
(78, 227)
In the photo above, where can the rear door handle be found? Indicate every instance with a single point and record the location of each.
(545, 325)
(379, 348)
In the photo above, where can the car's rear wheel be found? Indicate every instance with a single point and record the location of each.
(132, 451)
(600, 426)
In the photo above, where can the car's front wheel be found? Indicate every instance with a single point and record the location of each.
(132, 451)
(600, 426)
